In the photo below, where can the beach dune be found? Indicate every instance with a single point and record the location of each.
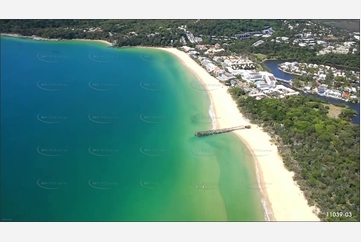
(283, 199)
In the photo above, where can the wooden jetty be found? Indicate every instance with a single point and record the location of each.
(220, 131)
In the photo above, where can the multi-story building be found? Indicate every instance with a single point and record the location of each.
(243, 36)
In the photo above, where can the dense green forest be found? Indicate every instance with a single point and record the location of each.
(168, 34)
(124, 26)
(323, 152)
(166, 30)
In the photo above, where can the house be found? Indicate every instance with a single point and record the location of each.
(321, 42)
(269, 78)
(201, 47)
(333, 93)
(186, 48)
(243, 36)
(217, 69)
(263, 86)
(259, 97)
(193, 52)
(345, 95)
(309, 34)
(254, 76)
(287, 63)
(259, 42)
(322, 77)
(268, 31)
(224, 76)
(233, 82)
(210, 67)
(205, 61)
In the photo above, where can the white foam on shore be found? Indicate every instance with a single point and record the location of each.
(211, 111)
(266, 210)
(212, 114)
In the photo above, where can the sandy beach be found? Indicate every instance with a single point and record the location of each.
(283, 199)
(34, 37)
(101, 41)
(45, 39)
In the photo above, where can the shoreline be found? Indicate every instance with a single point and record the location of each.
(34, 37)
(284, 201)
(212, 109)
(100, 41)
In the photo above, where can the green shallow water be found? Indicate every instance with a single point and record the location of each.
(91, 133)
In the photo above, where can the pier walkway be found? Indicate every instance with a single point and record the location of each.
(220, 131)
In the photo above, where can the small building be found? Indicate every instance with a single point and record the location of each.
(254, 76)
(243, 36)
(210, 67)
(263, 87)
(345, 95)
(193, 52)
(322, 76)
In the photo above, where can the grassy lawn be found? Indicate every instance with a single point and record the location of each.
(334, 111)
(260, 56)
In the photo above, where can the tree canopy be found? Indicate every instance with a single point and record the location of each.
(323, 152)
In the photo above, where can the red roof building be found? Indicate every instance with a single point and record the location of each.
(345, 95)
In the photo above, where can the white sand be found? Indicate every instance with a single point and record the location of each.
(101, 41)
(284, 199)
(40, 38)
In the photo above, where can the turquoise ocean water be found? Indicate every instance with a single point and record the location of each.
(92, 133)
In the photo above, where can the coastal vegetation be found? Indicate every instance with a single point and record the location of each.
(323, 151)
(333, 111)
(132, 32)
(163, 32)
